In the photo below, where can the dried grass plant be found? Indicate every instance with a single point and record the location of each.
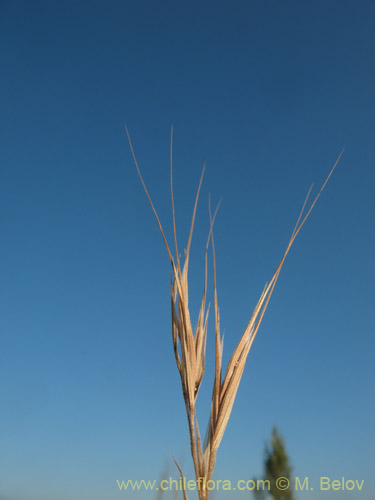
(190, 346)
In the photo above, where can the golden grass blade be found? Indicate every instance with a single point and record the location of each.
(181, 476)
(202, 309)
(242, 343)
(293, 237)
(173, 211)
(154, 210)
(187, 365)
(203, 327)
(175, 326)
(320, 192)
(218, 360)
(302, 209)
(186, 265)
(148, 196)
(238, 359)
(199, 450)
(228, 401)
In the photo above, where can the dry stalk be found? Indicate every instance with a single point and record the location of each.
(190, 347)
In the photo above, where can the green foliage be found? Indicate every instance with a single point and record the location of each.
(276, 466)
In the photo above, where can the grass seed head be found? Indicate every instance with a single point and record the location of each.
(190, 346)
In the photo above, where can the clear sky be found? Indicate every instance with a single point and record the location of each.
(267, 93)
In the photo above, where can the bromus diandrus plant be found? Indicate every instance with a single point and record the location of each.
(190, 346)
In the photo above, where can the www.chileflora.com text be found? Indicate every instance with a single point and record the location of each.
(305, 483)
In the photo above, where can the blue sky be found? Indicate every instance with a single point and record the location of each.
(267, 93)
